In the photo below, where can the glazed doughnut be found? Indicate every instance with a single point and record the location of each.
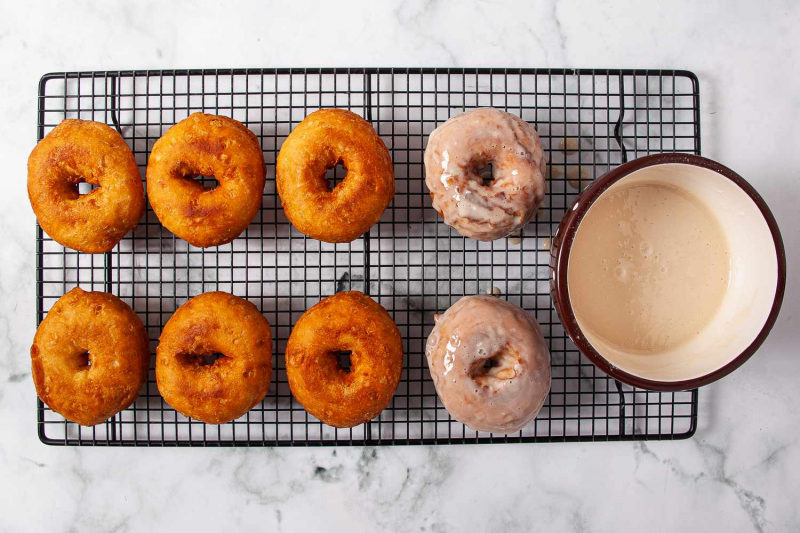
(89, 357)
(458, 149)
(82, 151)
(206, 145)
(208, 324)
(323, 140)
(504, 395)
(347, 321)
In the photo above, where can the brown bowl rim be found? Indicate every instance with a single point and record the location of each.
(560, 260)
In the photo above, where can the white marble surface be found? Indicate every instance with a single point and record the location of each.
(741, 472)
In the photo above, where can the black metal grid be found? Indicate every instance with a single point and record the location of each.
(410, 262)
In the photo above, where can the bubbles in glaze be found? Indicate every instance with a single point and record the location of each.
(458, 149)
(504, 395)
(648, 269)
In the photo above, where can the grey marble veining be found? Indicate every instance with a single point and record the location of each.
(739, 473)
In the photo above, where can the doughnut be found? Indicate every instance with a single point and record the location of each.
(79, 151)
(206, 145)
(323, 140)
(223, 390)
(344, 322)
(90, 357)
(489, 364)
(458, 149)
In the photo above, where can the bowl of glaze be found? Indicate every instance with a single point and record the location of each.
(747, 308)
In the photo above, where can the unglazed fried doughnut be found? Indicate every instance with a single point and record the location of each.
(505, 394)
(89, 357)
(344, 322)
(206, 145)
(463, 145)
(74, 152)
(208, 324)
(323, 140)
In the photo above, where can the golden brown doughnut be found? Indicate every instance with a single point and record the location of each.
(206, 145)
(89, 357)
(82, 151)
(211, 323)
(323, 140)
(347, 321)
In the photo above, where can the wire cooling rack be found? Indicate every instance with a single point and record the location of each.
(589, 120)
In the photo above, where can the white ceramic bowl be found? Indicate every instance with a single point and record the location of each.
(750, 305)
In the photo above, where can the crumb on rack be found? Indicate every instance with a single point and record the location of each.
(553, 172)
(570, 144)
(575, 175)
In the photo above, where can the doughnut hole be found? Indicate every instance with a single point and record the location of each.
(343, 363)
(335, 174)
(200, 176)
(343, 360)
(84, 187)
(201, 359)
(83, 361)
(213, 358)
(486, 172)
(75, 186)
(500, 366)
(209, 183)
